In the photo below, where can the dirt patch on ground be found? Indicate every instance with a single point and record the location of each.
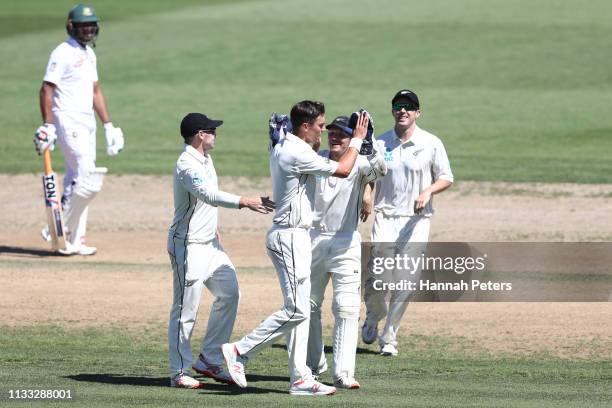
(128, 283)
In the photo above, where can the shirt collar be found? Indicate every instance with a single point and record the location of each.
(296, 139)
(75, 43)
(413, 139)
(197, 155)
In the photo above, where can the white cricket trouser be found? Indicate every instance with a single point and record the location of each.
(337, 256)
(196, 265)
(401, 229)
(76, 134)
(289, 250)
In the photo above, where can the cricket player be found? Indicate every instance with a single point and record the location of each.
(418, 168)
(294, 164)
(69, 95)
(197, 257)
(336, 254)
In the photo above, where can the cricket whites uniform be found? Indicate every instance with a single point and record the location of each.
(72, 69)
(336, 253)
(199, 260)
(412, 167)
(293, 167)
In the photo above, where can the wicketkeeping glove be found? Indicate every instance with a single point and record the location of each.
(114, 139)
(44, 138)
(279, 125)
(366, 146)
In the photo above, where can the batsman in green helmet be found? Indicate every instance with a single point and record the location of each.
(70, 96)
(82, 24)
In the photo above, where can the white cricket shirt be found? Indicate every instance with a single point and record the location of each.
(337, 202)
(412, 167)
(293, 166)
(72, 69)
(196, 197)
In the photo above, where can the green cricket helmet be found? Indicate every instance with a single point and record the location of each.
(82, 24)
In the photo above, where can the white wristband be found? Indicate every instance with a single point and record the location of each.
(108, 125)
(356, 143)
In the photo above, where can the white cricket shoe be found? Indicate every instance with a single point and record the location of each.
(311, 387)
(369, 332)
(235, 364)
(388, 350)
(45, 234)
(78, 250)
(347, 383)
(214, 371)
(184, 381)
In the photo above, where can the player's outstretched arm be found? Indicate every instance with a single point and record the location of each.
(347, 161)
(258, 204)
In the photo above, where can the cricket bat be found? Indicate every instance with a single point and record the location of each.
(53, 205)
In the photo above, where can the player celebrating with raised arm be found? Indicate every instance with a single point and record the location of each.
(197, 257)
(418, 168)
(294, 164)
(336, 252)
(68, 97)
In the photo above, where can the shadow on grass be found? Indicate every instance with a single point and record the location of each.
(28, 252)
(120, 379)
(209, 385)
(329, 349)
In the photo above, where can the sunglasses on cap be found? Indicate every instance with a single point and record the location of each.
(407, 106)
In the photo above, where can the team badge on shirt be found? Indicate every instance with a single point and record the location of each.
(197, 179)
(388, 155)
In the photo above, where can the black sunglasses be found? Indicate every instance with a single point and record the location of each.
(407, 106)
(209, 131)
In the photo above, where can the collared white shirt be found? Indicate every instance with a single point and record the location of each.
(412, 167)
(196, 197)
(293, 166)
(72, 69)
(338, 201)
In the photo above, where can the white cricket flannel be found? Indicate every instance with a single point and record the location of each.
(293, 165)
(72, 69)
(196, 197)
(338, 201)
(412, 167)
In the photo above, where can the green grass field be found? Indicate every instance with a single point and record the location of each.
(518, 90)
(115, 368)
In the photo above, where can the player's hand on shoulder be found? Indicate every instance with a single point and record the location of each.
(114, 139)
(259, 204)
(44, 138)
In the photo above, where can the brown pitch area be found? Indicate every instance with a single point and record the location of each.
(128, 283)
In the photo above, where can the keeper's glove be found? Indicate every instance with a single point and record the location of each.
(366, 146)
(279, 125)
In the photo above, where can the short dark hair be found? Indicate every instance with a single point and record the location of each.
(306, 112)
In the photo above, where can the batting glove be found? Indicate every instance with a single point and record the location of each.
(279, 125)
(44, 138)
(114, 139)
(366, 146)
